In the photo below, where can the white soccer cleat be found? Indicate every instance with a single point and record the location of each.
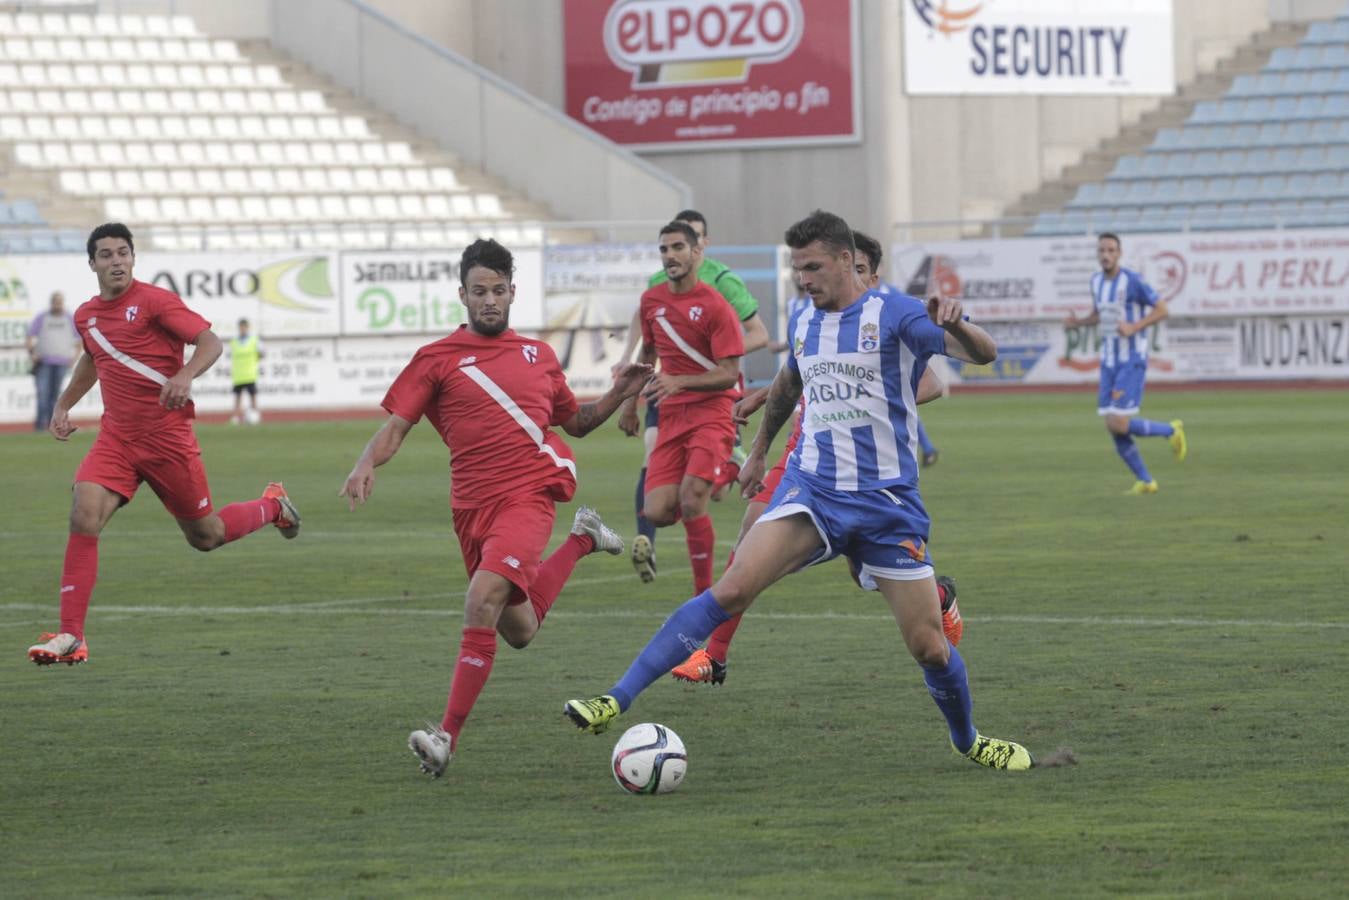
(433, 748)
(59, 648)
(588, 521)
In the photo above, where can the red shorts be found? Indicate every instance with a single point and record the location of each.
(508, 537)
(693, 446)
(169, 461)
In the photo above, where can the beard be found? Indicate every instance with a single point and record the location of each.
(490, 329)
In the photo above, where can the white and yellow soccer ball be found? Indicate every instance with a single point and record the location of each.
(649, 759)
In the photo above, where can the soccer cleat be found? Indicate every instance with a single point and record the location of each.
(433, 747)
(588, 521)
(930, 459)
(951, 624)
(1143, 487)
(592, 715)
(289, 520)
(1177, 440)
(998, 754)
(644, 558)
(700, 667)
(59, 648)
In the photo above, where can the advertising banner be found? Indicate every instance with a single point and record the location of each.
(1072, 47)
(661, 74)
(1300, 272)
(597, 285)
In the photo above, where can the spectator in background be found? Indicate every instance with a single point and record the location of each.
(245, 352)
(53, 345)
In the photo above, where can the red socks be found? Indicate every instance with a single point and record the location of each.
(247, 517)
(555, 571)
(78, 575)
(476, 652)
(702, 542)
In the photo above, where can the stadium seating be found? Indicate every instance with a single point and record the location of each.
(1272, 152)
(176, 131)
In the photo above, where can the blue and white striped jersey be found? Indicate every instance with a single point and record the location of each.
(1122, 298)
(859, 370)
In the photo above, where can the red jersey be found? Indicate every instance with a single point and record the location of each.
(136, 343)
(492, 399)
(690, 333)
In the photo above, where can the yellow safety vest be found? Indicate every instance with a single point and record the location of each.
(244, 359)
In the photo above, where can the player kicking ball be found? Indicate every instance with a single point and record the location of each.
(133, 335)
(493, 396)
(852, 489)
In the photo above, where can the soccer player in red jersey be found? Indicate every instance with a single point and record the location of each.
(707, 665)
(133, 335)
(694, 333)
(493, 396)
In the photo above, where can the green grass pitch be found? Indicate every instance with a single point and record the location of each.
(240, 729)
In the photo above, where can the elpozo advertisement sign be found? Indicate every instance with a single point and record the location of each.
(666, 74)
(1038, 47)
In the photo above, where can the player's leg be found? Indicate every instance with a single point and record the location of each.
(237, 416)
(771, 550)
(174, 470)
(695, 493)
(644, 544)
(930, 454)
(1173, 431)
(1118, 397)
(917, 611)
(664, 471)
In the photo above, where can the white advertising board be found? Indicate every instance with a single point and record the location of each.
(1071, 47)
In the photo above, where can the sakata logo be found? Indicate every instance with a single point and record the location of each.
(131, 312)
(669, 42)
(940, 17)
(531, 353)
(870, 338)
(695, 313)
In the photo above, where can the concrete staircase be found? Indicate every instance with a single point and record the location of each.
(1173, 112)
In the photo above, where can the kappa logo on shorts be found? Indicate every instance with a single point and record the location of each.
(916, 549)
(511, 561)
(791, 492)
(531, 352)
(131, 312)
(695, 313)
(1116, 394)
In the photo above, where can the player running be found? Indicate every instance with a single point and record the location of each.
(851, 486)
(133, 335)
(493, 396)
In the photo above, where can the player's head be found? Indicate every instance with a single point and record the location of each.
(57, 304)
(485, 287)
(243, 327)
(697, 221)
(1108, 249)
(112, 255)
(680, 253)
(867, 263)
(822, 255)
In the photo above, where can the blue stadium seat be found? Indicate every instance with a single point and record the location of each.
(1336, 106)
(1246, 86)
(1205, 111)
(1298, 133)
(24, 212)
(1282, 59)
(1321, 81)
(1167, 139)
(1272, 186)
(1320, 33)
(1188, 163)
(1301, 185)
(1341, 83)
(1322, 131)
(1128, 166)
(1337, 156)
(1335, 56)
(15, 243)
(43, 242)
(1154, 164)
(1256, 109)
(1244, 187)
(1309, 159)
(1284, 160)
(1327, 186)
(1088, 194)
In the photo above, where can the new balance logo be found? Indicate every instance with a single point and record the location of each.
(468, 360)
(204, 502)
(67, 587)
(511, 561)
(473, 661)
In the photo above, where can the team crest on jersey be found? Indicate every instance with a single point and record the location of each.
(531, 352)
(695, 313)
(131, 313)
(870, 338)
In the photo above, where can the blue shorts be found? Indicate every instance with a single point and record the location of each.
(1121, 390)
(652, 415)
(882, 532)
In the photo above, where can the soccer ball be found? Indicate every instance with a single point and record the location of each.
(252, 416)
(649, 759)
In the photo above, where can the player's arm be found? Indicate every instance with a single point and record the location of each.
(756, 333)
(633, 338)
(748, 405)
(930, 387)
(1158, 312)
(628, 421)
(82, 377)
(724, 375)
(177, 391)
(964, 340)
(1075, 321)
(783, 395)
(627, 382)
(382, 447)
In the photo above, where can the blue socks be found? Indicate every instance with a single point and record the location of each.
(644, 525)
(1128, 451)
(1149, 428)
(923, 440)
(950, 688)
(682, 633)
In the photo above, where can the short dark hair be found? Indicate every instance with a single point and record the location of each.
(1110, 234)
(243, 321)
(824, 227)
(692, 215)
(870, 247)
(110, 230)
(683, 228)
(488, 254)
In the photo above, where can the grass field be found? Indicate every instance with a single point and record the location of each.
(240, 728)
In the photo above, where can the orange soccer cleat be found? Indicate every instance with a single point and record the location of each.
(700, 667)
(289, 521)
(951, 623)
